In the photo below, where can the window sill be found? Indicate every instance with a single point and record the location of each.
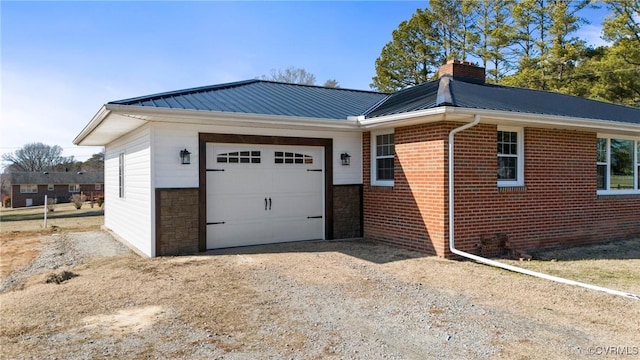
(510, 184)
(511, 188)
(382, 183)
(618, 192)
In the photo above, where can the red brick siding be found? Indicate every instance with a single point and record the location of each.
(557, 206)
(412, 212)
(559, 203)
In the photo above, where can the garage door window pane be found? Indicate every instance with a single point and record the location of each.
(242, 157)
(292, 158)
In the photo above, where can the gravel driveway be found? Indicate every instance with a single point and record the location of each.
(312, 300)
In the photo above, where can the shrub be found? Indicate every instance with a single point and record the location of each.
(51, 204)
(6, 201)
(100, 201)
(78, 200)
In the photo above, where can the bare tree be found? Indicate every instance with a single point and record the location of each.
(36, 157)
(291, 75)
(332, 83)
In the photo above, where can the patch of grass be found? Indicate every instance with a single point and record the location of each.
(64, 218)
(613, 264)
(58, 214)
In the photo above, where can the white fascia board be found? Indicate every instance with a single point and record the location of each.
(499, 117)
(202, 117)
(92, 125)
(404, 119)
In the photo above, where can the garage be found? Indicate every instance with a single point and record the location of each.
(262, 194)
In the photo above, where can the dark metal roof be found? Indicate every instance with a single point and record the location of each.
(265, 97)
(61, 178)
(283, 99)
(456, 92)
(415, 98)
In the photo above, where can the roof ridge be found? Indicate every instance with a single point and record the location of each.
(376, 105)
(445, 94)
(184, 91)
(200, 89)
(321, 87)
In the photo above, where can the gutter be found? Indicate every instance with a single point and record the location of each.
(494, 263)
(498, 117)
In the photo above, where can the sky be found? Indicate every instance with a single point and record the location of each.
(61, 61)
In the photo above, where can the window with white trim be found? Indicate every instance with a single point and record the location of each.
(618, 165)
(74, 188)
(98, 187)
(51, 187)
(28, 188)
(121, 175)
(510, 142)
(382, 158)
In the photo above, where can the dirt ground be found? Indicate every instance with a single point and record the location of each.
(21, 230)
(311, 300)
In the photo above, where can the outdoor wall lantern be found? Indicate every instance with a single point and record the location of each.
(345, 158)
(185, 157)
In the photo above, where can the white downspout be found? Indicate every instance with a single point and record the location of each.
(476, 121)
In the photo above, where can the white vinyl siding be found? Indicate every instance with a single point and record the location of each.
(121, 175)
(131, 217)
(28, 188)
(618, 165)
(169, 139)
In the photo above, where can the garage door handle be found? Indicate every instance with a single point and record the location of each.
(265, 204)
(269, 203)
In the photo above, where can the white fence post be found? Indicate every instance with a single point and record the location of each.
(46, 209)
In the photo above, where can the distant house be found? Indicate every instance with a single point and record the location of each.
(30, 188)
(272, 162)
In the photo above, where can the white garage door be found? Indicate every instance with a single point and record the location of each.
(261, 194)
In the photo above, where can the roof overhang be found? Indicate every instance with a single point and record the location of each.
(113, 121)
(451, 113)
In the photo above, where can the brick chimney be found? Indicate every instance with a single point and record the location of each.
(463, 70)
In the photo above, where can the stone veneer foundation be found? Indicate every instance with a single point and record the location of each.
(347, 211)
(176, 221)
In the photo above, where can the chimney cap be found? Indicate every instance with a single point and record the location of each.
(469, 63)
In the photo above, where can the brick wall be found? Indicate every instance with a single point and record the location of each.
(176, 221)
(557, 206)
(412, 212)
(347, 211)
(60, 193)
